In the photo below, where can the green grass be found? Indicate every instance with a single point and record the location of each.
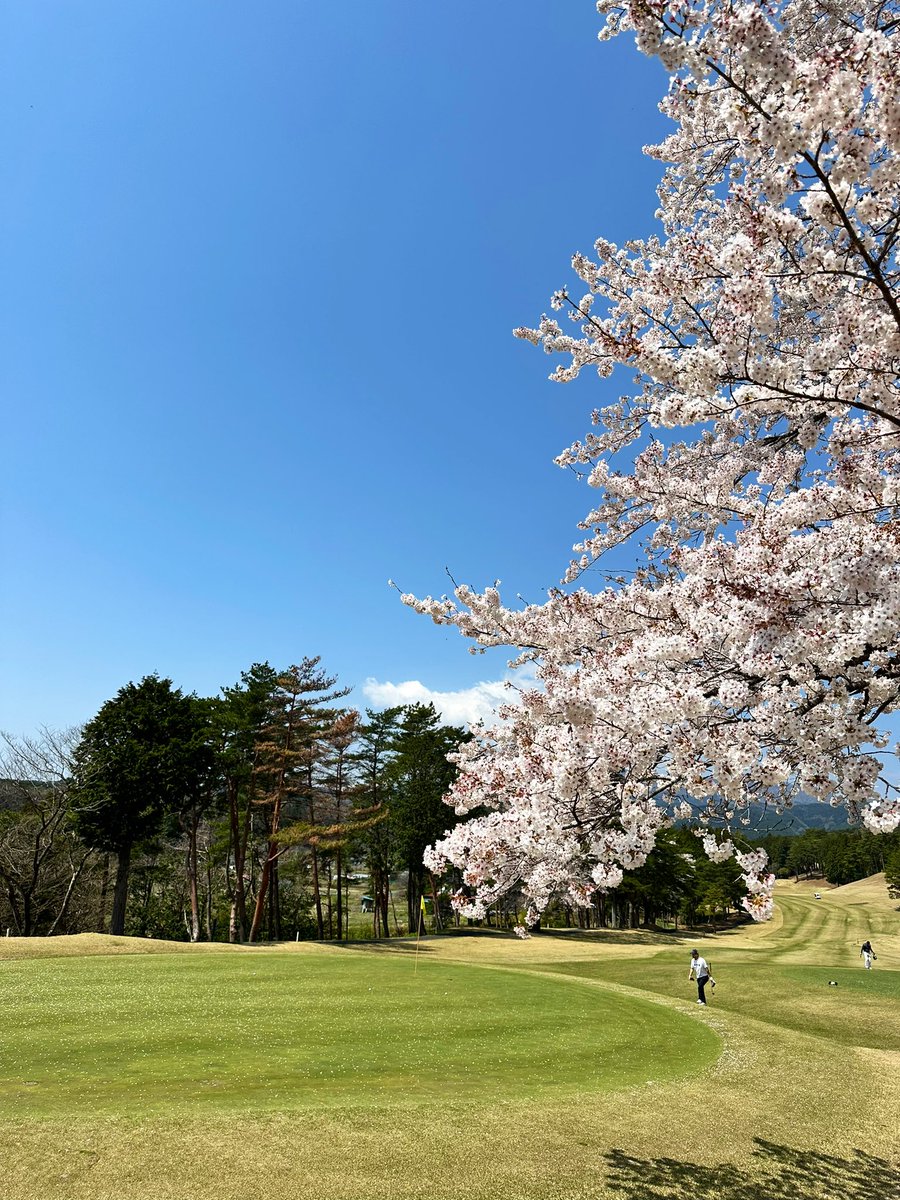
(863, 1009)
(282, 1031)
(567, 1067)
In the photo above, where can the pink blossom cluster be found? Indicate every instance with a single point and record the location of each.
(756, 652)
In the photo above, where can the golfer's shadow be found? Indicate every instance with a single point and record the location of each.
(778, 1173)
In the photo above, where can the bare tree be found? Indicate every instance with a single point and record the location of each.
(41, 857)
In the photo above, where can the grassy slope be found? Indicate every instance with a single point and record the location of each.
(808, 1075)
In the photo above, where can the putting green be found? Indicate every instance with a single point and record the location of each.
(273, 1030)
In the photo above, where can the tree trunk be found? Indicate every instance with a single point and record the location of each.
(14, 909)
(340, 896)
(104, 888)
(393, 908)
(192, 878)
(239, 837)
(120, 894)
(261, 895)
(414, 892)
(64, 908)
(385, 899)
(275, 903)
(209, 894)
(317, 895)
(271, 856)
(328, 899)
(27, 923)
(435, 899)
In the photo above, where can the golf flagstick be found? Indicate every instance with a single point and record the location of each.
(419, 925)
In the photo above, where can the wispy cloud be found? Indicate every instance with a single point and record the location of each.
(464, 707)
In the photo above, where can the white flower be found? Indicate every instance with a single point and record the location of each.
(754, 650)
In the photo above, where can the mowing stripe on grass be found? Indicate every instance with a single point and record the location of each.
(283, 1031)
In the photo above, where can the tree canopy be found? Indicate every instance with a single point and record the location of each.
(754, 474)
(144, 754)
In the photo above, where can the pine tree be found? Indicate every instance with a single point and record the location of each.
(375, 748)
(286, 753)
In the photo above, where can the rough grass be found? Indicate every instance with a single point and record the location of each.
(800, 1103)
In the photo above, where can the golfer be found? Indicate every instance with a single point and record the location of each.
(868, 954)
(700, 971)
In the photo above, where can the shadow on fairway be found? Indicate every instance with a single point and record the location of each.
(779, 1173)
(392, 946)
(619, 937)
(638, 937)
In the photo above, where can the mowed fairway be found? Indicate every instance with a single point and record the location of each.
(569, 1065)
(288, 1031)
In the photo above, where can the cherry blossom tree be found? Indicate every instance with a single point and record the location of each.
(754, 472)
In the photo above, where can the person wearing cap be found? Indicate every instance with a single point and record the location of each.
(700, 971)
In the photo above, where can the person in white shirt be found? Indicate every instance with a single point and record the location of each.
(700, 971)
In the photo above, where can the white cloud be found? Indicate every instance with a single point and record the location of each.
(477, 703)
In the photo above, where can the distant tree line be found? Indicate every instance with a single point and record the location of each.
(239, 817)
(248, 815)
(838, 856)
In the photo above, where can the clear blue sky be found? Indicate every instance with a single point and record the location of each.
(261, 266)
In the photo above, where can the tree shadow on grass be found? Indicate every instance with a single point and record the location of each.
(406, 946)
(651, 934)
(778, 1173)
(619, 937)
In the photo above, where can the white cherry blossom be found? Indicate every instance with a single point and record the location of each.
(755, 472)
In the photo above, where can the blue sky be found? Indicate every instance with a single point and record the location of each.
(262, 264)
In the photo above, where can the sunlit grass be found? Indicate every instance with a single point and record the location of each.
(852, 1007)
(567, 1067)
(283, 1031)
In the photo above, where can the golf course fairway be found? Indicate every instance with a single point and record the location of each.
(571, 1065)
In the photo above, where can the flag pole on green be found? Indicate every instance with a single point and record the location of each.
(422, 914)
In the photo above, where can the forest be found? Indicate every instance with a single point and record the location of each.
(242, 817)
(837, 856)
(275, 811)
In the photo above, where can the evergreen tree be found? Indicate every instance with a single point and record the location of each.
(419, 777)
(238, 718)
(144, 754)
(286, 756)
(666, 881)
(892, 871)
(375, 749)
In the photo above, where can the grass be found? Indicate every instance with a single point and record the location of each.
(792, 997)
(287, 1032)
(568, 1067)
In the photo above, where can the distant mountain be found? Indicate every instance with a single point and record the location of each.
(805, 814)
(800, 817)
